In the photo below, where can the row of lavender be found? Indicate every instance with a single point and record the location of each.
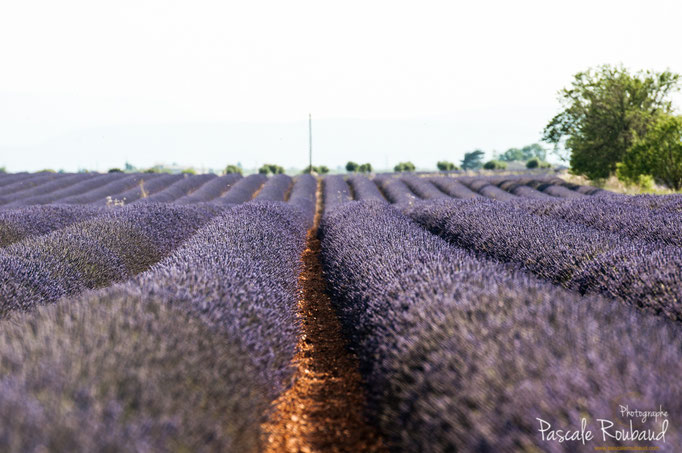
(89, 188)
(18, 190)
(614, 245)
(19, 222)
(49, 252)
(185, 353)
(96, 189)
(468, 350)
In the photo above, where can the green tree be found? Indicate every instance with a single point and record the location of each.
(534, 150)
(524, 154)
(3, 170)
(658, 154)
(473, 160)
(267, 169)
(404, 166)
(352, 167)
(115, 170)
(444, 165)
(604, 110)
(233, 169)
(495, 165)
(511, 155)
(365, 168)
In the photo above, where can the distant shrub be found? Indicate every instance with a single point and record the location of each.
(47, 170)
(404, 166)
(321, 170)
(365, 168)
(444, 165)
(537, 163)
(115, 170)
(495, 165)
(352, 167)
(266, 169)
(189, 171)
(3, 170)
(233, 169)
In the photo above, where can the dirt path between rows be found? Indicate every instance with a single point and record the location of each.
(324, 410)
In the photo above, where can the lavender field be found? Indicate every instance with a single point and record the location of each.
(149, 312)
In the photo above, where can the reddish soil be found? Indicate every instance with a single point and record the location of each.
(324, 409)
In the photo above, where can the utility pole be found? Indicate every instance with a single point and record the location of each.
(310, 142)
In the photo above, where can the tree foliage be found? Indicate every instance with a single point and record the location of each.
(365, 168)
(404, 166)
(233, 169)
(658, 154)
(604, 110)
(524, 154)
(271, 169)
(352, 167)
(473, 160)
(444, 165)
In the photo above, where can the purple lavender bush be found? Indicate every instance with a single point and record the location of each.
(188, 356)
(304, 196)
(243, 190)
(518, 188)
(94, 253)
(454, 188)
(485, 188)
(21, 223)
(460, 354)
(16, 182)
(395, 190)
(152, 183)
(211, 190)
(79, 188)
(275, 189)
(553, 189)
(423, 188)
(54, 185)
(184, 186)
(364, 188)
(614, 216)
(575, 256)
(115, 187)
(335, 191)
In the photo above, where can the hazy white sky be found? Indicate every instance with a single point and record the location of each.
(92, 83)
